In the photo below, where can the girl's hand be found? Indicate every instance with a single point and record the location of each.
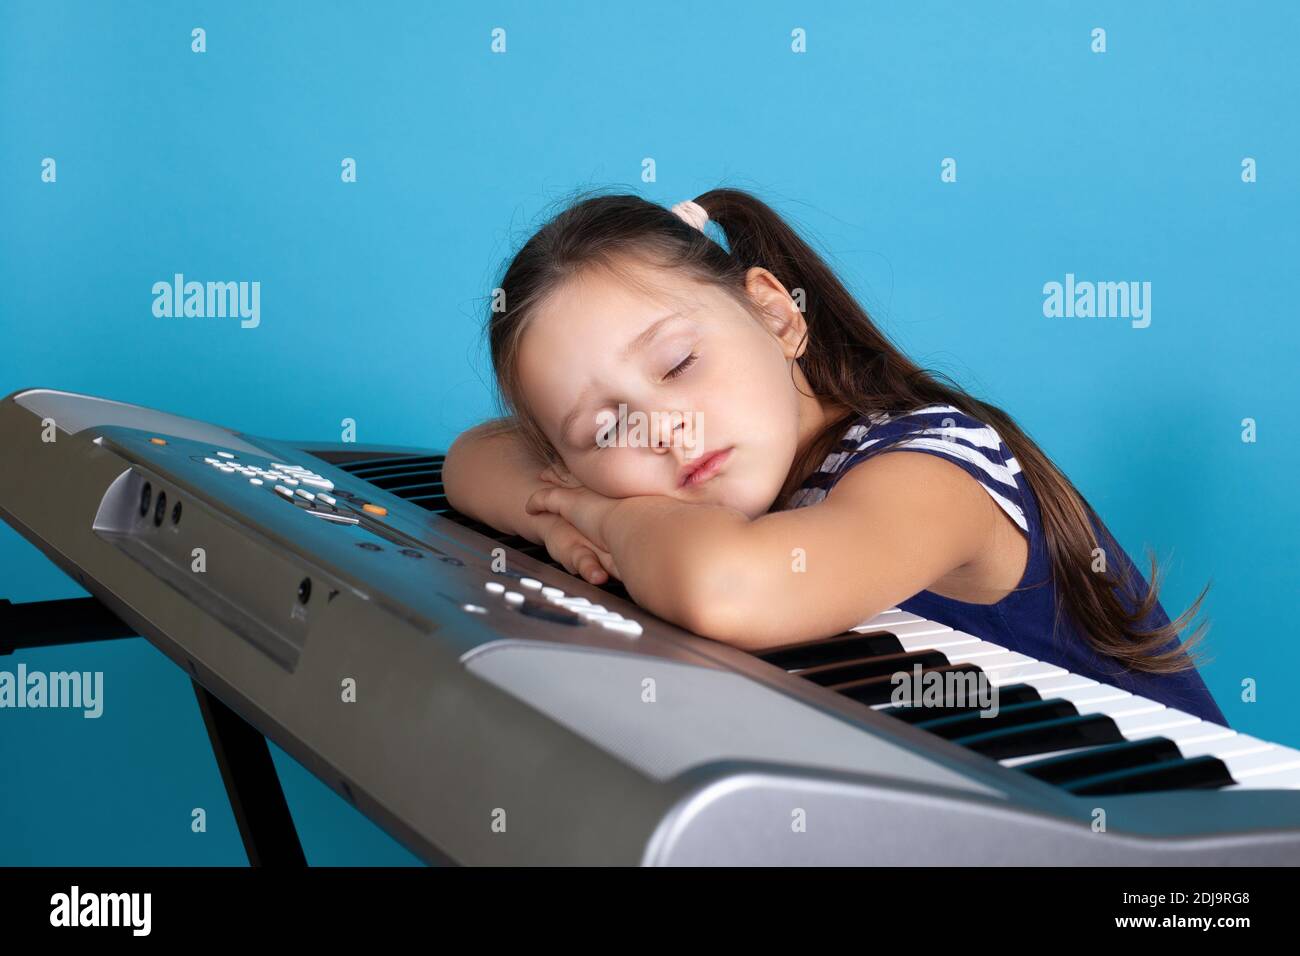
(567, 545)
(581, 507)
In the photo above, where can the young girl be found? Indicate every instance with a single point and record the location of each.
(771, 502)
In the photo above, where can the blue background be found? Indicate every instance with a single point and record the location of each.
(226, 166)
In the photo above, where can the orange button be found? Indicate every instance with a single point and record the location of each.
(374, 509)
(158, 441)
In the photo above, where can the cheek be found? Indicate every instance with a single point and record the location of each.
(622, 473)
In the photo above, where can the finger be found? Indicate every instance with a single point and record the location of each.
(607, 562)
(540, 501)
(589, 566)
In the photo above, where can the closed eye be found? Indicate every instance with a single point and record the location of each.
(686, 363)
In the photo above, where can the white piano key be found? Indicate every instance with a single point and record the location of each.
(989, 662)
(936, 642)
(1118, 707)
(895, 616)
(1187, 733)
(1244, 766)
(1024, 673)
(1067, 681)
(1288, 779)
(972, 652)
(900, 631)
(1152, 723)
(1225, 746)
(1082, 697)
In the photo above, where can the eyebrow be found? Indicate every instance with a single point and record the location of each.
(636, 345)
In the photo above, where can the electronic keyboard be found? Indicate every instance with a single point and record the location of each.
(483, 706)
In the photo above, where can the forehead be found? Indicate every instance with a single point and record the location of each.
(602, 296)
(587, 321)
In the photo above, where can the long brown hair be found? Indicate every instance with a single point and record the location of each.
(848, 360)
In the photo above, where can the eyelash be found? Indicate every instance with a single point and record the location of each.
(685, 364)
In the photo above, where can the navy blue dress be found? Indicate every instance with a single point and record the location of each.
(1023, 620)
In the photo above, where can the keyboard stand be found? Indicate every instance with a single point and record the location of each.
(252, 785)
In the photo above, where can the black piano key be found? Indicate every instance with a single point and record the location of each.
(837, 649)
(1087, 763)
(880, 690)
(861, 668)
(1199, 773)
(1015, 715)
(1064, 733)
(916, 713)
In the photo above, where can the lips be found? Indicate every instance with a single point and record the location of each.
(698, 472)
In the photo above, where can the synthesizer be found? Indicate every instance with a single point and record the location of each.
(485, 707)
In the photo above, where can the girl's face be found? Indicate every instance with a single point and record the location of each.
(704, 375)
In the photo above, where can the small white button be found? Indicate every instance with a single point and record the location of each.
(514, 597)
(284, 491)
(325, 498)
(552, 593)
(254, 481)
(496, 587)
(625, 627)
(292, 482)
(531, 583)
(224, 454)
(587, 608)
(474, 608)
(318, 483)
(212, 461)
(225, 469)
(306, 494)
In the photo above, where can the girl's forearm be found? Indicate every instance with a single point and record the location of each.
(674, 557)
(488, 475)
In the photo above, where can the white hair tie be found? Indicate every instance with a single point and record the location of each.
(693, 213)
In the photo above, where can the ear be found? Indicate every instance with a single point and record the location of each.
(780, 314)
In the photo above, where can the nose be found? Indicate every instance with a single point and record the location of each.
(662, 432)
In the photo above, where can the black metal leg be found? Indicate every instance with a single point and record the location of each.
(265, 824)
(47, 623)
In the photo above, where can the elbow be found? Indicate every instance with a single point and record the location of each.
(451, 478)
(717, 601)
